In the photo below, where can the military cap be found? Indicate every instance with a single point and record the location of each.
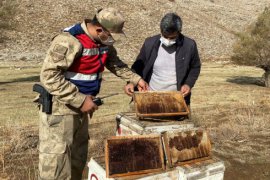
(112, 20)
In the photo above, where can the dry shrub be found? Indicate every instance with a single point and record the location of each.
(253, 46)
(252, 117)
(7, 12)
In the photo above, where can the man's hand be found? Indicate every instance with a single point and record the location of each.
(142, 85)
(185, 90)
(89, 106)
(129, 89)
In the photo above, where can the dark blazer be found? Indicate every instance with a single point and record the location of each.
(188, 64)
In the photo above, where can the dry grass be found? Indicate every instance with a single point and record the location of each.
(16, 83)
(227, 100)
(18, 120)
(19, 155)
(232, 104)
(7, 13)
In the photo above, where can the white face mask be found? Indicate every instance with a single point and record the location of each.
(167, 42)
(108, 42)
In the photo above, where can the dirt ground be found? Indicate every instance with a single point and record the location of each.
(229, 101)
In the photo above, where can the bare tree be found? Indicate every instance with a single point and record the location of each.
(253, 46)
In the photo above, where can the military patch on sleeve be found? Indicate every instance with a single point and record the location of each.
(58, 52)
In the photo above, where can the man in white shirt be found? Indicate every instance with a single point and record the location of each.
(168, 61)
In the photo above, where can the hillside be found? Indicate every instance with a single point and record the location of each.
(212, 23)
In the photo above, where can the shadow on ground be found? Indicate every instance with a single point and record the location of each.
(26, 79)
(246, 80)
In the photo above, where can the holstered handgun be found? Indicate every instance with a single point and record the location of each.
(45, 98)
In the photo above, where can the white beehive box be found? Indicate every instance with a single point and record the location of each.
(212, 169)
(129, 124)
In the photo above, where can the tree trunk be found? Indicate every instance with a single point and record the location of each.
(267, 78)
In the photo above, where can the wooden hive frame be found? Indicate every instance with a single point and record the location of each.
(186, 147)
(160, 104)
(127, 144)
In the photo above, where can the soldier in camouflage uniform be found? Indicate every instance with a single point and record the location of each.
(71, 73)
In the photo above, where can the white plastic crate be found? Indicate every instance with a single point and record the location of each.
(212, 169)
(205, 170)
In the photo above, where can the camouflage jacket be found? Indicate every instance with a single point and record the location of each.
(63, 50)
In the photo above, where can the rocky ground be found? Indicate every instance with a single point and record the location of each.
(212, 23)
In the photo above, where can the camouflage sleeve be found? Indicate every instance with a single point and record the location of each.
(119, 68)
(64, 48)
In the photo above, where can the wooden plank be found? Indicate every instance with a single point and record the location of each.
(160, 104)
(152, 121)
(133, 155)
(194, 161)
(185, 146)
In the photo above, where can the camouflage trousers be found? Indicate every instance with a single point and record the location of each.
(63, 146)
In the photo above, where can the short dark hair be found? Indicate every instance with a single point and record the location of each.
(170, 23)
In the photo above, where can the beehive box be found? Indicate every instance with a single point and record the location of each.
(147, 157)
(130, 124)
(159, 104)
(212, 169)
